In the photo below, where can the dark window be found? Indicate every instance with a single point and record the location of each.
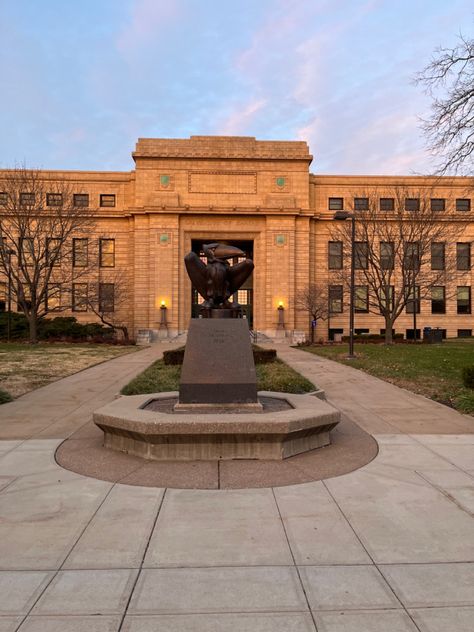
(107, 253)
(361, 332)
(438, 204)
(387, 255)
(335, 299)
(361, 255)
(412, 255)
(387, 204)
(81, 199)
(387, 298)
(335, 255)
(464, 333)
(53, 249)
(438, 300)
(106, 297)
(438, 255)
(79, 252)
(361, 298)
(27, 199)
(463, 256)
(336, 204)
(27, 251)
(79, 297)
(413, 304)
(3, 198)
(53, 297)
(464, 299)
(463, 204)
(107, 199)
(333, 332)
(412, 204)
(54, 199)
(409, 334)
(361, 204)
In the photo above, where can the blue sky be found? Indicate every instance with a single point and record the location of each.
(81, 81)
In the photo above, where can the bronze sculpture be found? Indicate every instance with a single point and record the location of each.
(217, 280)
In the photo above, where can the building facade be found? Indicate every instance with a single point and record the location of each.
(262, 197)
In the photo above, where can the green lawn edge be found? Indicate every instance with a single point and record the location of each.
(272, 376)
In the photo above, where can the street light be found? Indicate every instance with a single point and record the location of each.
(8, 252)
(343, 215)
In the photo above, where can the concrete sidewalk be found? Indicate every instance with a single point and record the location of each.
(389, 547)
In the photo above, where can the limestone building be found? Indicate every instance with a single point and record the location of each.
(262, 197)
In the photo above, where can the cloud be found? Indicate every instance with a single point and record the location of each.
(241, 118)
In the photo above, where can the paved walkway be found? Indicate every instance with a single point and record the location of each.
(389, 547)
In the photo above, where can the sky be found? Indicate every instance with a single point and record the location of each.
(81, 81)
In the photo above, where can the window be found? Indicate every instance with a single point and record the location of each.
(412, 255)
(361, 255)
(24, 297)
(79, 252)
(387, 255)
(3, 296)
(53, 297)
(387, 298)
(438, 300)
(107, 199)
(335, 299)
(409, 334)
(107, 253)
(361, 332)
(336, 204)
(463, 256)
(334, 332)
(106, 297)
(413, 305)
(438, 256)
(53, 250)
(361, 204)
(81, 200)
(54, 199)
(243, 297)
(438, 204)
(361, 298)
(79, 297)
(335, 255)
(27, 199)
(412, 204)
(463, 204)
(3, 198)
(387, 204)
(464, 333)
(464, 299)
(27, 251)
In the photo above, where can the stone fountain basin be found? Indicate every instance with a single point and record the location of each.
(304, 424)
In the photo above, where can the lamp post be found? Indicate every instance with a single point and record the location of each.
(343, 215)
(9, 252)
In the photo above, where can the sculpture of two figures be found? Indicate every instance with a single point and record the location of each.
(217, 281)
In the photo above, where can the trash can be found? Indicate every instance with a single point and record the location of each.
(427, 335)
(437, 335)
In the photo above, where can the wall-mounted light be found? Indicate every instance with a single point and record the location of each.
(281, 315)
(163, 311)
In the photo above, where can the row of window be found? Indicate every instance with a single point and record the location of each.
(80, 251)
(388, 204)
(56, 199)
(387, 255)
(438, 299)
(79, 299)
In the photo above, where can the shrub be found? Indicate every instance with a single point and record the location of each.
(18, 326)
(5, 397)
(260, 355)
(468, 376)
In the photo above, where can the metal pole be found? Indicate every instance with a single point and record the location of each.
(352, 291)
(414, 305)
(9, 305)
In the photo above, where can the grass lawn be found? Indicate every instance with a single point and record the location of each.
(272, 376)
(430, 370)
(24, 367)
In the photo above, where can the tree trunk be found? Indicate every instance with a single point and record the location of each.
(388, 331)
(33, 323)
(126, 337)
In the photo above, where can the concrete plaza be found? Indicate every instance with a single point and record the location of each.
(388, 547)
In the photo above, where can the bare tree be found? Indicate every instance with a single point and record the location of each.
(108, 298)
(449, 80)
(313, 300)
(401, 253)
(39, 219)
